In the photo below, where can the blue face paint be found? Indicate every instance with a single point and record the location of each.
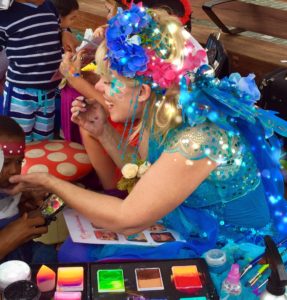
(115, 86)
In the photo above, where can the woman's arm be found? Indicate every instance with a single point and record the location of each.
(93, 119)
(165, 186)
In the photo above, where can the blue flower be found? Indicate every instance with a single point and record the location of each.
(126, 55)
(246, 85)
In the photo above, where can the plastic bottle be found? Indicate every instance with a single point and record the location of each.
(231, 286)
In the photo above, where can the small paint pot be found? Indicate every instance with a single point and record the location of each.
(23, 289)
(13, 270)
(216, 260)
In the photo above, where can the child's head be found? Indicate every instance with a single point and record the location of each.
(68, 11)
(12, 143)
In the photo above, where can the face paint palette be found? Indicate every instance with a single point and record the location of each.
(152, 280)
(69, 281)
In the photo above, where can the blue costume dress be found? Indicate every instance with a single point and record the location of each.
(242, 199)
(230, 204)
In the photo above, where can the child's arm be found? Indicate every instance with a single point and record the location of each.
(19, 232)
(71, 68)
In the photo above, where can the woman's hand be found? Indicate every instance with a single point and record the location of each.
(36, 182)
(91, 117)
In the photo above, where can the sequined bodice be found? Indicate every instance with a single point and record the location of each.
(236, 174)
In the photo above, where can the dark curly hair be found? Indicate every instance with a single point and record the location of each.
(10, 128)
(64, 7)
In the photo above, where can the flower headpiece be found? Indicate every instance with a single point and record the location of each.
(137, 49)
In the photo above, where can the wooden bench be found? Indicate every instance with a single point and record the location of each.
(88, 20)
(247, 54)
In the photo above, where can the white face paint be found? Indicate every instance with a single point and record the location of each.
(1, 159)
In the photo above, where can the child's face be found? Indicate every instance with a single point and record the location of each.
(12, 166)
(69, 19)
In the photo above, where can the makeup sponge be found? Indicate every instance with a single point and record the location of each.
(46, 279)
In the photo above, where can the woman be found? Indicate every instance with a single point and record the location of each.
(213, 176)
(103, 165)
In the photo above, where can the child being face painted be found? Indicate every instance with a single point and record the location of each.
(18, 230)
(13, 146)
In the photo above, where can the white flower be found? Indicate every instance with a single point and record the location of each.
(143, 168)
(130, 171)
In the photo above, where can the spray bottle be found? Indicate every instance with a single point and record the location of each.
(277, 281)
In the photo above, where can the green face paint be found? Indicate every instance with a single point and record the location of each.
(115, 86)
(111, 281)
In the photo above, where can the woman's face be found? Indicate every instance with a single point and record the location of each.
(120, 98)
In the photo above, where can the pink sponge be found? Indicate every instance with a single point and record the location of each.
(46, 279)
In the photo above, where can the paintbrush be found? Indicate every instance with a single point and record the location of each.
(258, 258)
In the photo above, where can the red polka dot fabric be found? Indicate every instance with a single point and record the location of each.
(63, 159)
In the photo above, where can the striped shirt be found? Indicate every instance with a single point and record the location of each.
(31, 36)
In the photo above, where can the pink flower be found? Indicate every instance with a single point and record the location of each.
(165, 74)
(162, 73)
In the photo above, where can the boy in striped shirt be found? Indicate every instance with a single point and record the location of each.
(30, 32)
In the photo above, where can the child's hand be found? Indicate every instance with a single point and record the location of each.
(35, 213)
(100, 32)
(24, 229)
(71, 64)
(90, 117)
(32, 200)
